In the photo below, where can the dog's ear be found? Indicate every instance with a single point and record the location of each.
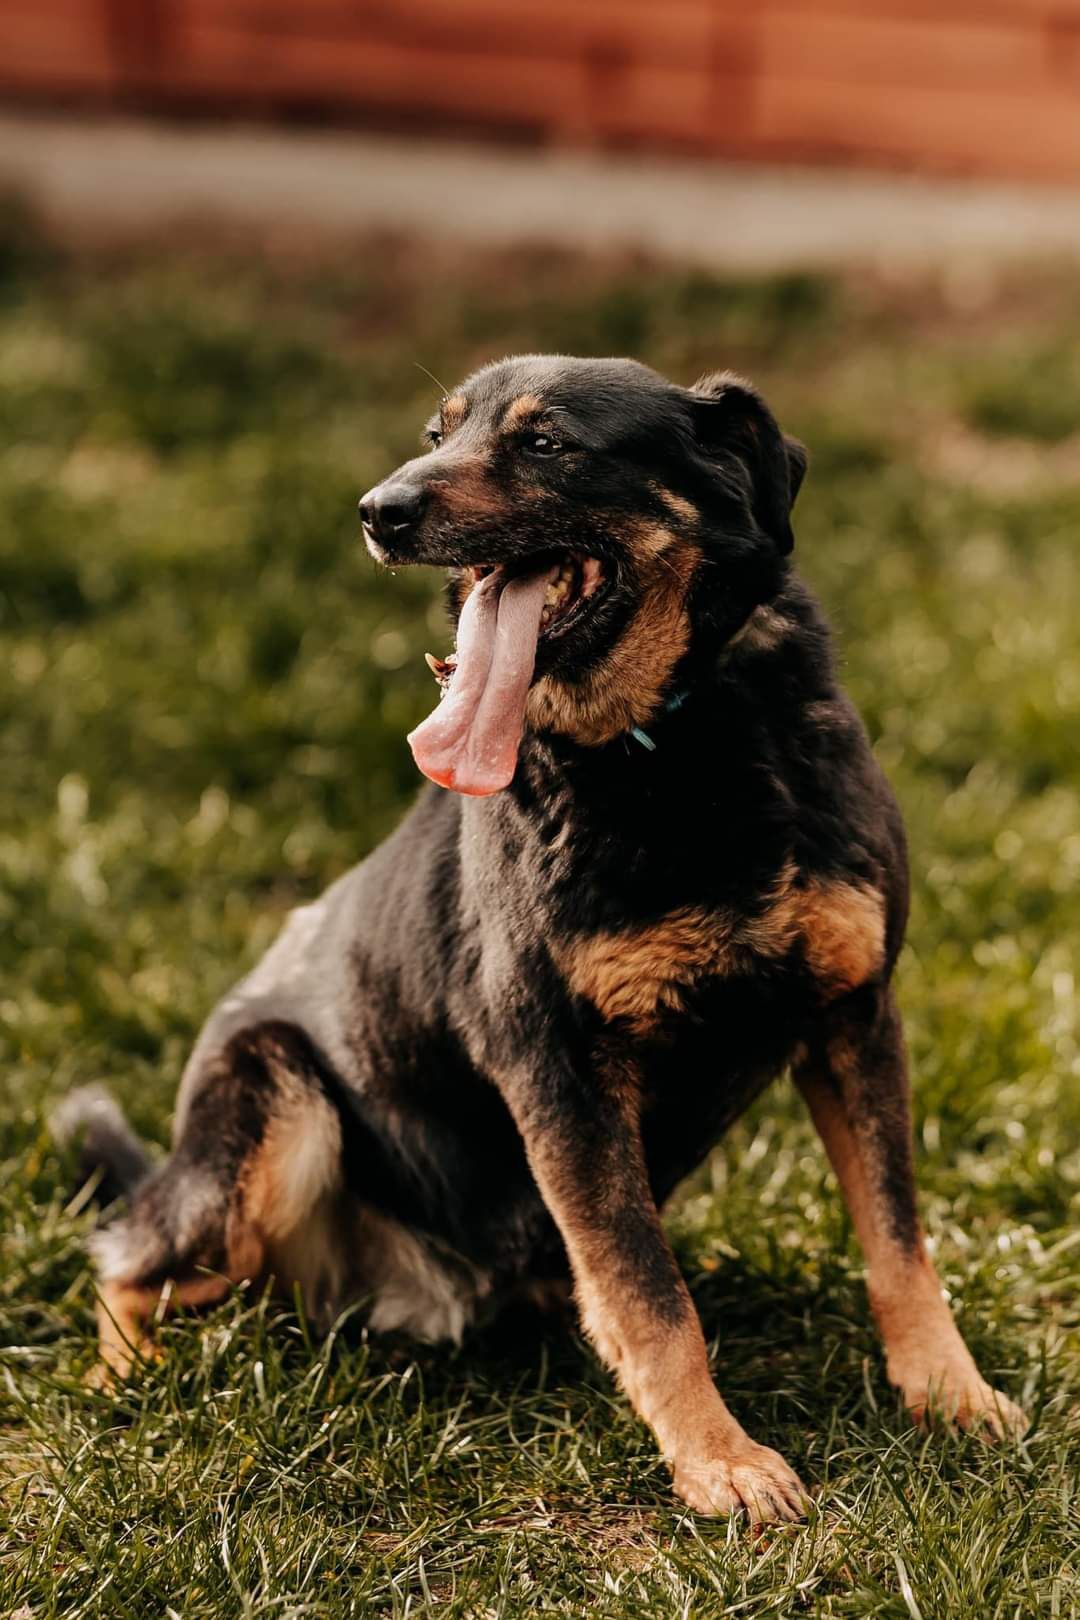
(731, 419)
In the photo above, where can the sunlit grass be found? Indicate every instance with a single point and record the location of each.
(205, 691)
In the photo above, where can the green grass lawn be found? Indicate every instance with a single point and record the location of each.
(205, 687)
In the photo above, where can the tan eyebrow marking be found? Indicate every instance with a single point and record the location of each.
(521, 410)
(454, 411)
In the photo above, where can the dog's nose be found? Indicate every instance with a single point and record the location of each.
(390, 512)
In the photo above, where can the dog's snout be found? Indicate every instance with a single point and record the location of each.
(391, 512)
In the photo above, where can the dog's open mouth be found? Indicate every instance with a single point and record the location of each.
(470, 742)
(576, 581)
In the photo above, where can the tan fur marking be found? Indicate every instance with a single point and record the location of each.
(651, 540)
(621, 1323)
(639, 973)
(843, 930)
(626, 688)
(662, 1363)
(677, 505)
(453, 412)
(277, 1224)
(522, 410)
(763, 631)
(296, 1164)
(123, 1312)
(664, 1369)
(281, 1223)
(926, 1357)
(466, 490)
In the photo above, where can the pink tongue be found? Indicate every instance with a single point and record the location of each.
(470, 742)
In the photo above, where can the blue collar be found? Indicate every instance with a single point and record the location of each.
(675, 701)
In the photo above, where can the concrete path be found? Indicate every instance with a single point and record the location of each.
(124, 173)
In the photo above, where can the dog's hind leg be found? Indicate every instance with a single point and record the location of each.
(250, 1191)
(856, 1086)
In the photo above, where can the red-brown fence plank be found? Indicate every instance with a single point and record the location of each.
(682, 31)
(55, 46)
(988, 86)
(640, 101)
(1009, 134)
(488, 88)
(868, 49)
(965, 13)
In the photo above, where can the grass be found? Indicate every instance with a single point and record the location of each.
(205, 691)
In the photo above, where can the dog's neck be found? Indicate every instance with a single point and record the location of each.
(727, 672)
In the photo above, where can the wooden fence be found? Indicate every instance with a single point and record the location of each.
(977, 86)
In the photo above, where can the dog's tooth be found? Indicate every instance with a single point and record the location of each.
(591, 575)
(441, 668)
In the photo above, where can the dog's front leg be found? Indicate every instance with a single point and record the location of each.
(583, 1139)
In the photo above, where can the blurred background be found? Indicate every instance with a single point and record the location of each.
(985, 86)
(238, 240)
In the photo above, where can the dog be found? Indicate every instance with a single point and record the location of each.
(659, 866)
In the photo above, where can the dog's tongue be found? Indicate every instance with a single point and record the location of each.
(470, 742)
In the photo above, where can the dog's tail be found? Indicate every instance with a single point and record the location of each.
(92, 1123)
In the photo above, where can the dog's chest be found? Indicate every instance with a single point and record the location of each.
(828, 933)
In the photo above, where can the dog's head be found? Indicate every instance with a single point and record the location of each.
(601, 525)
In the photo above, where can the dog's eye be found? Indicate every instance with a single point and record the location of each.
(434, 438)
(540, 444)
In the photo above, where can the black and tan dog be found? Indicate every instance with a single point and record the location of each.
(479, 1064)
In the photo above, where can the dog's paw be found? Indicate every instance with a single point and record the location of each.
(753, 1478)
(971, 1405)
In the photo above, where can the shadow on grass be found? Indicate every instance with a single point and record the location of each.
(787, 1352)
